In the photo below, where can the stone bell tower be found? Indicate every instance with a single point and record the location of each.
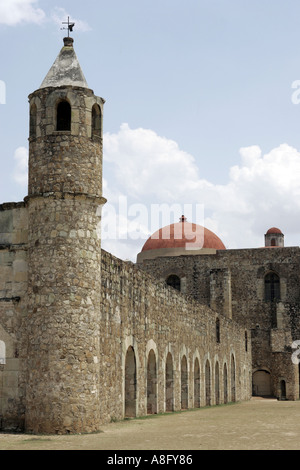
(64, 252)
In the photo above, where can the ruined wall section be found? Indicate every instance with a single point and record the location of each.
(13, 290)
(137, 311)
(246, 270)
(274, 324)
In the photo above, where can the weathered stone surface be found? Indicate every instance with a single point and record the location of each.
(66, 69)
(86, 338)
(274, 325)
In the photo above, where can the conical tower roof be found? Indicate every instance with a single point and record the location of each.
(66, 69)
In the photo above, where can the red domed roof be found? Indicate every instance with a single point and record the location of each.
(183, 234)
(274, 230)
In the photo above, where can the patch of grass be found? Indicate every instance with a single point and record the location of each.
(114, 420)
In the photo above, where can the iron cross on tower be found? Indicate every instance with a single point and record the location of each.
(70, 26)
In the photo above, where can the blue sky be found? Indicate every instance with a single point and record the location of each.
(200, 108)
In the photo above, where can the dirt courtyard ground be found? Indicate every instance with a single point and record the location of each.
(259, 424)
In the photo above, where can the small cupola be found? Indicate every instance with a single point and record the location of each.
(274, 238)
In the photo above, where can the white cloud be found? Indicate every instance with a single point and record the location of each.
(13, 12)
(21, 168)
(60, 15)
(262, 190)
(146, 162)
(148, 174)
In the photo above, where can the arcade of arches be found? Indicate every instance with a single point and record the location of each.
(198, 386)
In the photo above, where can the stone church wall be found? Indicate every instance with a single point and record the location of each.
(138, 312)
(13, 288)
(241, 296)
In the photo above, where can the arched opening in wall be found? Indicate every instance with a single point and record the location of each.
(246, 341)
(261, 383)
(184, 384)
(196, 384)
(218, 330)
(207, 384)
(282, 390)
(96, 121)
(130, 383)
(169, 383)
(32, 120)
(173, 281)
(273, 242)
(2, 353)
(151, 384)
(63, 116)
(225, 384)
(217, 384)
(233, 389)
(272, 287)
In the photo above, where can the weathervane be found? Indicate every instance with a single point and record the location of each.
(70, 26)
